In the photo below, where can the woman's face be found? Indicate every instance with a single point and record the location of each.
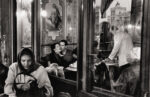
(57, 48)
(26, 61)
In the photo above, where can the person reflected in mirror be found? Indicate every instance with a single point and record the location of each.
(123, 44)
(106, 37)
(106, 41)
(27, 78)
(67, 53)
(54, 61)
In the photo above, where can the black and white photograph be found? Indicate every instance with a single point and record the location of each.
(74, 48)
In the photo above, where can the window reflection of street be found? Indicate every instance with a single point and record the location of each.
(117, 69)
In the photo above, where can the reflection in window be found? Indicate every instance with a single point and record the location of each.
(0, 31)
(117, 63)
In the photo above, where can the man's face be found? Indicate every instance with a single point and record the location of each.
(62, 46)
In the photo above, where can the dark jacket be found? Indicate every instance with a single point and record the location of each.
(68, 58)
(53, 58)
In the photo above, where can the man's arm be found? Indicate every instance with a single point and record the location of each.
(117, 44)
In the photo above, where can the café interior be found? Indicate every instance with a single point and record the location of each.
(89, 48)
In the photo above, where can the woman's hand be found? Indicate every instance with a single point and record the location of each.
(40, 85)
(25, 87)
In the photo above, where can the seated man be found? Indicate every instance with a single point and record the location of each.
(123, 44)
(54, 56)
(53, 61)
(67, 54)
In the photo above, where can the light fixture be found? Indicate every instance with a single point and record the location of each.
(138, 27)
(70, 28)
(129, 26)
(43, 13)
(20, 13)
(30, 1)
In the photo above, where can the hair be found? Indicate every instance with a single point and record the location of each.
(66, 43)
(53, 46)
(126, 30)
(26, 51)
(114, 27)
(95, 43)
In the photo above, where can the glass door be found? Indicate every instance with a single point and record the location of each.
(118, 50)
(108, 26)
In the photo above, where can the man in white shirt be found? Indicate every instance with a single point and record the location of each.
(122, 46)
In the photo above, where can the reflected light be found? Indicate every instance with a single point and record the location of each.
(138, 27)
(94, 5)
(30, 0)
(129, 26)
(70, 28)
(23, 12)
(82, 6)
(17, 13)
(44, 13)
(20, 13)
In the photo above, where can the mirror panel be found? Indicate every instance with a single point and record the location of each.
(59, 21)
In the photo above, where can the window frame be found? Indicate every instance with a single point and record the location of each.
(85, 30)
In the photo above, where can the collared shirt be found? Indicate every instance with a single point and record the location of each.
(122, 46)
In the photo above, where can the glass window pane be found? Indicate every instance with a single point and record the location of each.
(0, 19)
(117, 45)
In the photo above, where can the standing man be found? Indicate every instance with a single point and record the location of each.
(67, 54)
(122, 47)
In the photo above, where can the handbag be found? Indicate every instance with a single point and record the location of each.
(34, 91)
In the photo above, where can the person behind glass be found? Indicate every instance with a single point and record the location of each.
(67, 54)
(26, 78)
(54, 61)
(122, 46)
(55, 55)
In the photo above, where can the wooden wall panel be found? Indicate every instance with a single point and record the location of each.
(6, 12)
